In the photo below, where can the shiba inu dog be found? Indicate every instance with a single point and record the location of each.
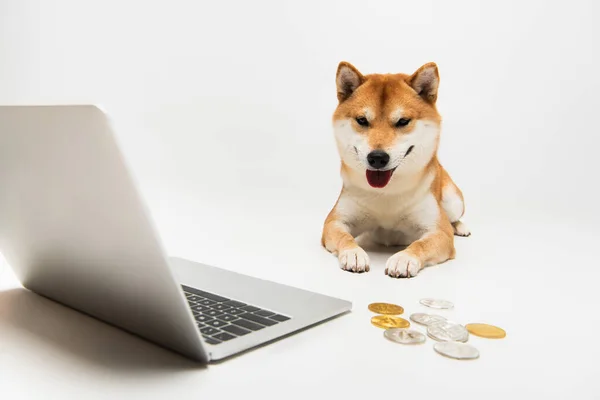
(387, 130)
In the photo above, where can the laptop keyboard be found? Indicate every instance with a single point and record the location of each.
(220, 319)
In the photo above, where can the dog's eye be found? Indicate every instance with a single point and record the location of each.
(402, 122)
(362, 121)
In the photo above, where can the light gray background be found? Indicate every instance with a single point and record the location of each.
(224, 112)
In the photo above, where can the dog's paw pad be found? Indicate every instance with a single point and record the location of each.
(354, 260)
(460, 229)
(402, 265)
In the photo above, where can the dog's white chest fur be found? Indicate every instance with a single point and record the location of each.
(394, 217)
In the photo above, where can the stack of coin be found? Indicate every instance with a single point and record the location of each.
(447, 331)
(385, 319)
(450, 336)
(395, 327)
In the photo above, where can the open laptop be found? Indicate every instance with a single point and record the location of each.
(74, 228)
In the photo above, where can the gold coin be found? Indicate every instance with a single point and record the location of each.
(386, 308)
(386, 322)
(486, 331)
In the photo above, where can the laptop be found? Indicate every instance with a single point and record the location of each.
(75, 229)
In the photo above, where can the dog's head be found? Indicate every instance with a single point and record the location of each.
(386, 124)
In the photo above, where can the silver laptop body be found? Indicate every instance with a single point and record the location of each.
(74, 229)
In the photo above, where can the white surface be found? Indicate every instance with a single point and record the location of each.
(223, 111)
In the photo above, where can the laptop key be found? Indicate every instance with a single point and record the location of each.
(279, 318)
(250, 308)
(216, 323)
(199, 308)
(200, 324)
(214, 297)
(220, 306)
(203, 318)
(235, 311)
(264, 313)
(206, 302)
(236, 330)
(259, 319)
(247, 324)
(194, 298)
(227, 317)
(209, 330)
(233, 303)
(223, 336)
(210, 340)
(213, 313)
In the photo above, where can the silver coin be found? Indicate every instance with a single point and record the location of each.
(459, 351)
(448, 331)
(437, 303)
(404, 336)
(426, 319)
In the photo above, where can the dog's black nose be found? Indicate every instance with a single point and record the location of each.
(378, 159)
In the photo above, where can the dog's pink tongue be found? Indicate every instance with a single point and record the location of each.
(378, 179)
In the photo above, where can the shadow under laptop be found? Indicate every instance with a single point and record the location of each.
(37, 325)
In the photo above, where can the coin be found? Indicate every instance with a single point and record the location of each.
(404, 336)
(459, 351)
(386, 308)
(486, 331)
(426, 319)
(436, 303)
(448, 331)
(385, 321)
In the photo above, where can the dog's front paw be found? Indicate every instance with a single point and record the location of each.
(354, 260)
(402, 265)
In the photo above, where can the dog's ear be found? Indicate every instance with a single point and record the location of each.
(347, 79)
(425, 82)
